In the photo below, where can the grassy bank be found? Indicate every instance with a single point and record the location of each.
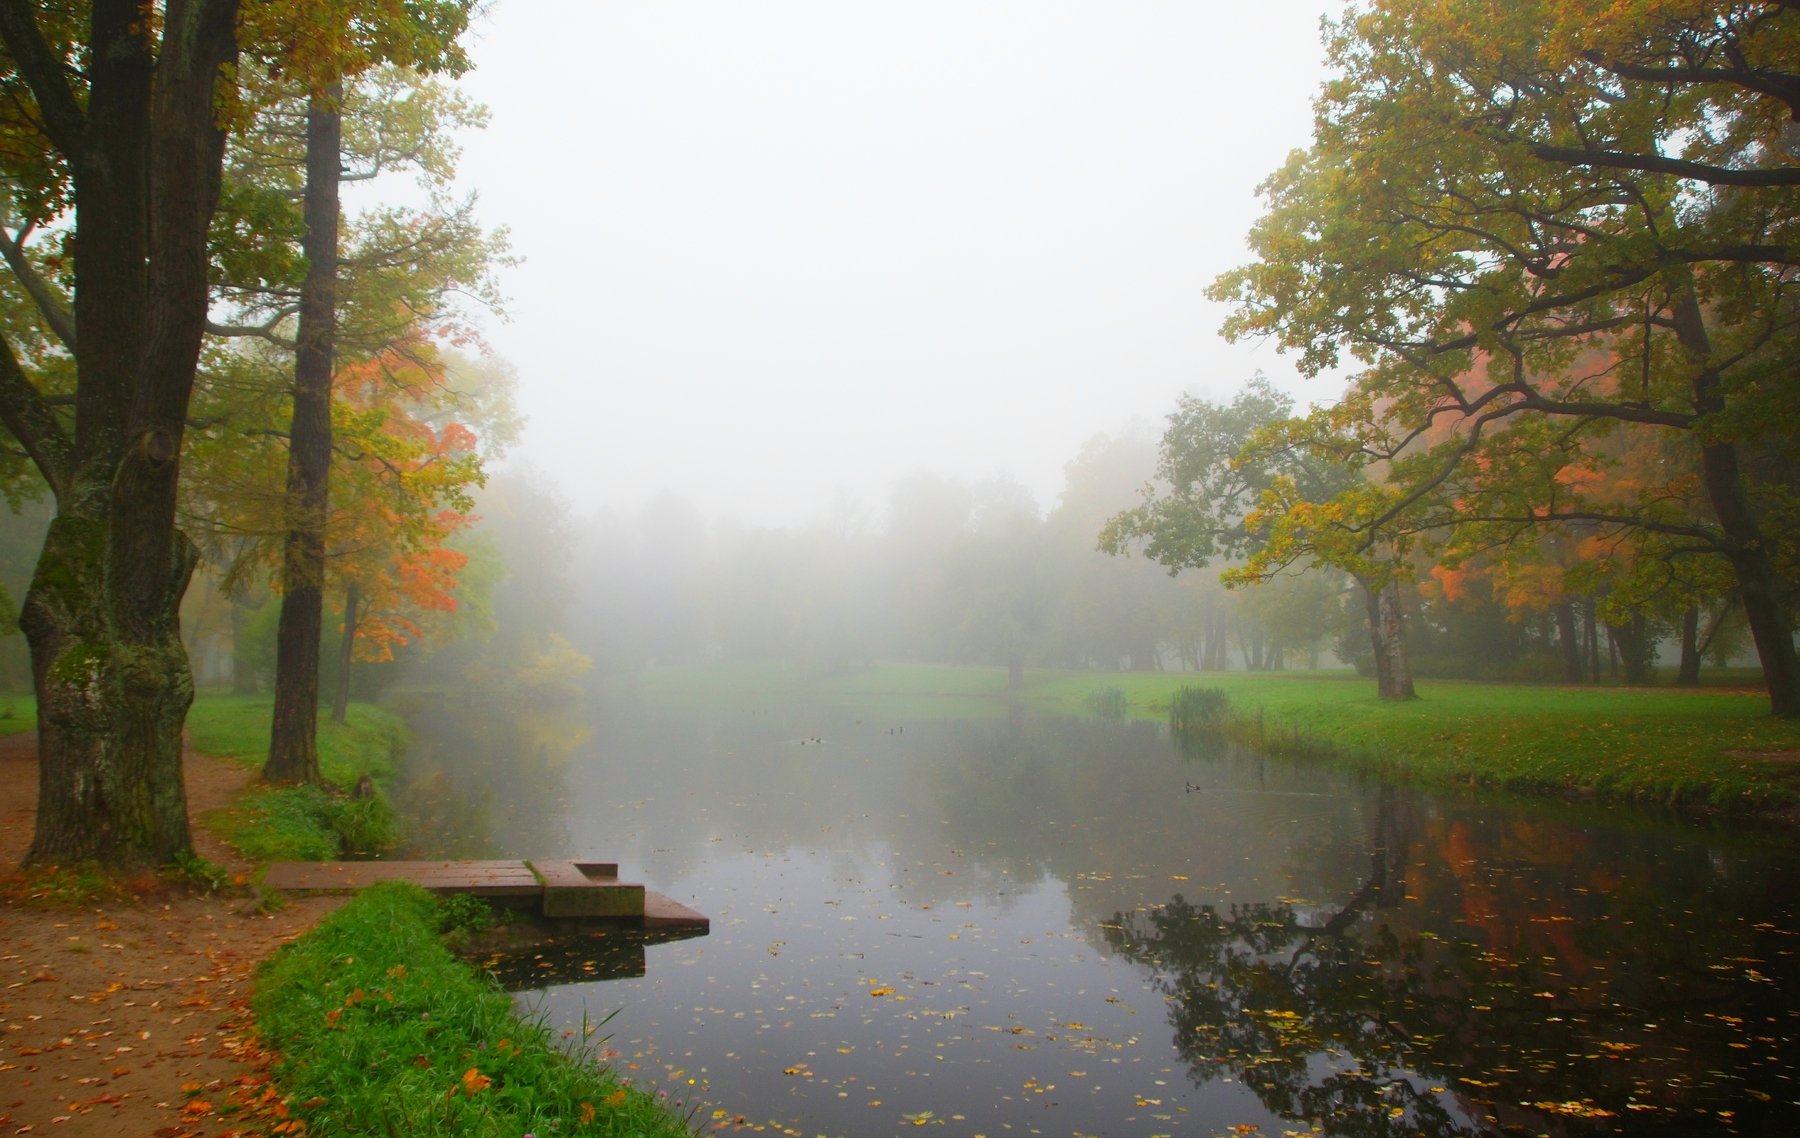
(1708, 746)
(303, 823)
(382, 1031)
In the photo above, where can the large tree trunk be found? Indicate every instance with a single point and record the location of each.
(1387, 637)
(102, 614)
(294, 730)
(1760, 587)
(110, 706)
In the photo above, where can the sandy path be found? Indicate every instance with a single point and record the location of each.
(108, 1011)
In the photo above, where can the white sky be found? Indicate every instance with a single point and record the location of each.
(778, 255)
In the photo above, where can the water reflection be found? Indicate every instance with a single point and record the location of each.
(1497, 976)
(1067, 926)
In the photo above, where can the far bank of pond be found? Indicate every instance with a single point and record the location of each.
(1713, 747)
(942, 911)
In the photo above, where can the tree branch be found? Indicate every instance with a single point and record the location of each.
(64, 122)
(60, 319)
(263, 331)
(1658, 164)
(26, 413)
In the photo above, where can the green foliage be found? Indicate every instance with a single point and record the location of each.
(464, 913)
(374, 982)
(1559, 241)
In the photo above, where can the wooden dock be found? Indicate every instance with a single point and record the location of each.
(558, 889)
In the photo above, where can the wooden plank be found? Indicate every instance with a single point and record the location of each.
(567, 888)
(572, 890)
(661, 912)
(481, 878)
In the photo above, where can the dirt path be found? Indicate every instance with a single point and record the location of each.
(128, 1017)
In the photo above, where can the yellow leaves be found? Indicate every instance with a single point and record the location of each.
(1574, 1109)
(587, 1113)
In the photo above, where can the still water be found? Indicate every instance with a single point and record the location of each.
(1063, 927)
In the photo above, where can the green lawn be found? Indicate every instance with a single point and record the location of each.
(1714, 746)
(303, 823)
(18, 712)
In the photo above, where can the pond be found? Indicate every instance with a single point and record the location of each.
(1065, 927)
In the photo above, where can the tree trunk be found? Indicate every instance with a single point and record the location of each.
(1591, 632)
(102, 614)
(1631, 646)
(243, 678)
(1688, 674)
(1760, 587)
(1387, 637)
(1569, 640)
(340, 703)
(293, 734)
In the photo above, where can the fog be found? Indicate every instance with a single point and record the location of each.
(777, 257)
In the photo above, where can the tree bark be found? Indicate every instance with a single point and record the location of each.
(1688, 674)
(1387, 637)
(144, 152)
(294, 730)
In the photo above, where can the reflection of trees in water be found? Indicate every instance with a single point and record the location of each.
(1364, 1019)
(489, 780)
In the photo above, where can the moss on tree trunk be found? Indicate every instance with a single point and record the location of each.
(110, 706)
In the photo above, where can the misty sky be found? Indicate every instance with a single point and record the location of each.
(778, 255)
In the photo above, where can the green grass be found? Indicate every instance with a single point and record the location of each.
(1712, 746)
(18, 712)
(382, 1031)
(303, 823)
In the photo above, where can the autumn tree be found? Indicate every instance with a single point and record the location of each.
(326, 43)
(391, 280)
(1494, 187)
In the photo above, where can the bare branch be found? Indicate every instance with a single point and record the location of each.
(29, 417)
(59, 318)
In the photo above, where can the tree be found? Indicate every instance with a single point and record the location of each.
(1247, 480)
(352, 43)
(117, 123)
(336, 303)
(1530, 196)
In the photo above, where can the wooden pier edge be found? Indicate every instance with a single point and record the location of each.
(558, 888)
